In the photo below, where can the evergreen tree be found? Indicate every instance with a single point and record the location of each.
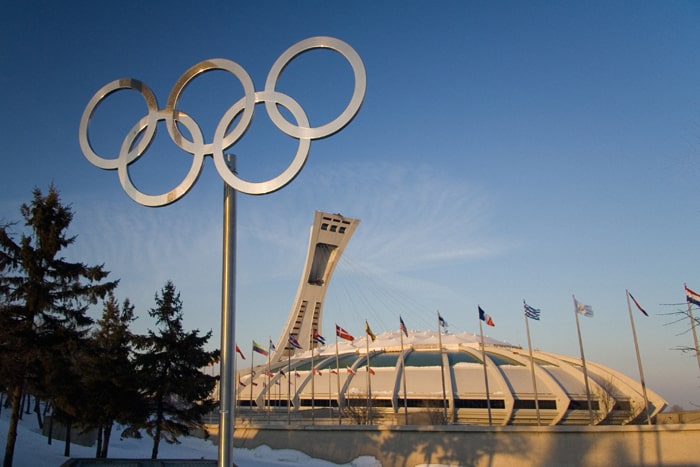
(109, 374)
(170, 362)
(44, 298)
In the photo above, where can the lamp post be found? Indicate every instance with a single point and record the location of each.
(138, 139)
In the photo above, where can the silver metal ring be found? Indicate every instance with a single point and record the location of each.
(274, 184)
(141, 135)
(127, 155)
(353, 106)
(106, 90)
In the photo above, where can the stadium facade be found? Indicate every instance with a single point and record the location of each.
(424, 376)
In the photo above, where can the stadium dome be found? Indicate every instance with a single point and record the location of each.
(423, 376)
(441, 387)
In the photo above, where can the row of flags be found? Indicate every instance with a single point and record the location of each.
(530, 312)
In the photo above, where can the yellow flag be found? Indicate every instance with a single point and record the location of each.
(369, 331)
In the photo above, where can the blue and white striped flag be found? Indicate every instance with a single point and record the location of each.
(585, 310)
(531, 312)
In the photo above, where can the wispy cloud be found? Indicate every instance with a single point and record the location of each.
(416, 217)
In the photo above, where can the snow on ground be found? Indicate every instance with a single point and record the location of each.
(32, 450)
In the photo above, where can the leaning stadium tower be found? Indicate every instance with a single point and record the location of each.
(429, 378)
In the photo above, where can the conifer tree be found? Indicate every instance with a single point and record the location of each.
(109, 374)
(44, 297)
(170, 362)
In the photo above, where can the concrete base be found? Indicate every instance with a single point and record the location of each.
(510, 446)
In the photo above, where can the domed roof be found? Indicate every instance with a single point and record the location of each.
(424, 377)
(423, 385)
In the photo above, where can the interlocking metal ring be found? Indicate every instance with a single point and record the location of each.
(141, 135)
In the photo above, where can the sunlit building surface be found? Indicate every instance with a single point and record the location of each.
(410, 379)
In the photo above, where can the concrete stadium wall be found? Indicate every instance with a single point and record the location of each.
(476, 446)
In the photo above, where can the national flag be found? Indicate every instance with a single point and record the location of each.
(335, 372)
(296, 373)
(282, 373)
(350, 370)
(369, 332)
(585, 310)
(254, 383)
(442, 322)
(319, 338)
(343, 334)
(294, 342)
(259, 349)
(402, 325)
(371, 371)
(241, 383)
(240, 352)
(638, 305)
(272, 346)
(483, 316)
(691, 297)
(317, 371)
(269, 374)
(531, 312)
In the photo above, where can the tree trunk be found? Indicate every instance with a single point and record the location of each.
(37, 409)
(107, 436)
(66, 449)
(98, 450)
(156, 441)
(15, 395)
(50, 437)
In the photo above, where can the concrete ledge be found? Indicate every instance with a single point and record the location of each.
(138, 463)
(511, 446)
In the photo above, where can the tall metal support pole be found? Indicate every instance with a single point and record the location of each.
(337, 379)
(403, 377)
(695, 333)
(639, 360)
(227, 390)
(486, 376)
(369, 383)
(442, 371)
(583, 361)
(289, 387)
(532, 370)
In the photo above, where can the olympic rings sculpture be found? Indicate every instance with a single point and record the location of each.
(133, 148)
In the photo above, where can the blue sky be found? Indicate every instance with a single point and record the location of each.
(504, 151)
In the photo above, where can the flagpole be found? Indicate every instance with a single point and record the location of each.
(583, 361)
(337, 377)
(486, 378)
(403, 375)
(369, 378)
(330, 395)
(532, 369)
(227, 388)
(268, 389)
(692, 327)
(313, 385)
(252, 376)
(442, 371)
(289, 387)
(639, 359)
